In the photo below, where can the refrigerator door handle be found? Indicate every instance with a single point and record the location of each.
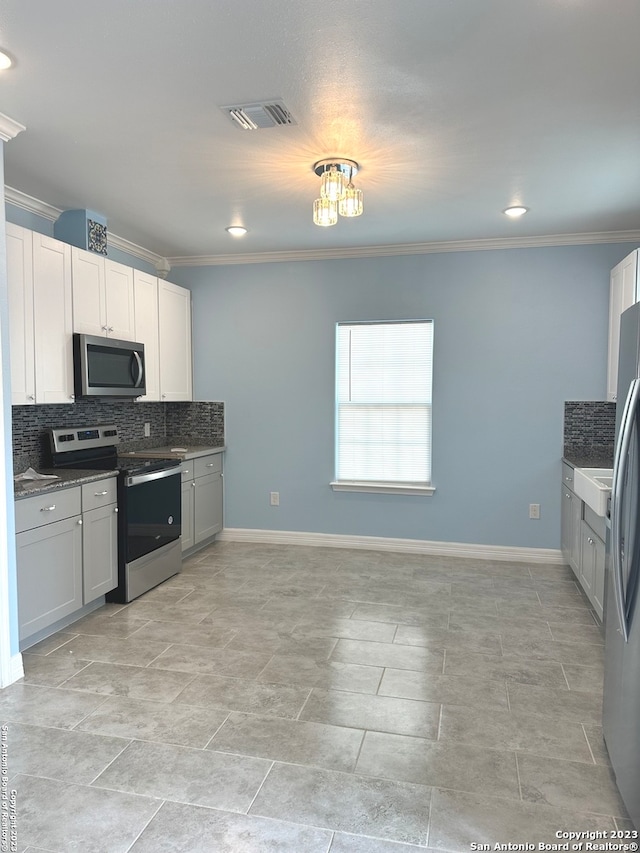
(619, 476)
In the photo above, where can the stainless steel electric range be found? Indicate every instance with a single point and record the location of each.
(149, 505)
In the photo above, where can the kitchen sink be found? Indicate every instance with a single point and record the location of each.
(593, 485)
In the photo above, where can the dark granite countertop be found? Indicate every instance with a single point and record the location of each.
(184, 449)
(67, 478)
(595, 458)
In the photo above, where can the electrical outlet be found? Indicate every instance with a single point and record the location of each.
(275, 498)
(147, 430)
(534, 510)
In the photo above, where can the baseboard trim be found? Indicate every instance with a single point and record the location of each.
(380, 543)
(13, 671)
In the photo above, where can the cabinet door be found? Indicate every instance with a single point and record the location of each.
(208, 506)
(53, 320)
(20, 297)
(145, 290)
(99, 552)
(576, 534)
(188, 494)
(598, 579)
(89, 305)
(588, 559)
(174, 306)
(623, 292)
(49, 570)
(566, 524)
(119, 300)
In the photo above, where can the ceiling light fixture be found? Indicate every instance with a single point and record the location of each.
(515, 211)
(337, 192)
(5, 61)
(236, 230)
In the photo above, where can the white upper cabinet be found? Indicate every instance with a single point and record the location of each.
(41, 317)
(145, 289)
(53, 320)
(174, 306)
(103, 297)
(624, 291)
(21, 339)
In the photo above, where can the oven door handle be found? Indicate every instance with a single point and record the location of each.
(137, 479)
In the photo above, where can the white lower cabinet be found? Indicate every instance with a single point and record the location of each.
(202, 500)
(49, 564)
(583, 548)
(66, 552)
(99, 538)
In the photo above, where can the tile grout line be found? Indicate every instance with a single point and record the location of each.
(266, 776)
(136, 839)
(217, 730)
(297, 717)
(586, 737)
(106, 767)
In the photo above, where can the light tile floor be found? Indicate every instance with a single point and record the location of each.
(307, 700)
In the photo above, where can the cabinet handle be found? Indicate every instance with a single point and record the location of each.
(105, 328)
(186, 471)
(110, 329)
(193, 484)
(567, 495)
(101, 494)
(47, 508)
(115, 509)
(569, 479)
(80, 522)
(210, 464)
(31, 397)
(590, 541)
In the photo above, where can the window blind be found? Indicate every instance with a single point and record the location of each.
(383, 401)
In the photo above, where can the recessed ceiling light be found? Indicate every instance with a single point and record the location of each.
(515, 211)
(236, 230)
(5, 61)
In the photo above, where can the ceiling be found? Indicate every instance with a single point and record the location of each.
(454, 110)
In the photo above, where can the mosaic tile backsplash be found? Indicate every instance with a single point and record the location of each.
(589, 426)
(198, 423)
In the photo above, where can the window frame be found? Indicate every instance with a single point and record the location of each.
(379, 486)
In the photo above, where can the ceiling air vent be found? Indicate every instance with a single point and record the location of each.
(258, 116)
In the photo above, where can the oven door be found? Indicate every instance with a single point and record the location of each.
(152, 511)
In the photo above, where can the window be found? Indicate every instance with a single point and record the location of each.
(383, 406)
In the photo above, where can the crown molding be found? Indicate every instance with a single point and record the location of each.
(410, 249)
(9, 128)
(48, 211)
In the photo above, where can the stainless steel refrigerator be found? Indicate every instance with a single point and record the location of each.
(621, 710)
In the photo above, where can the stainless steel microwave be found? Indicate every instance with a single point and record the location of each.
(106, 367)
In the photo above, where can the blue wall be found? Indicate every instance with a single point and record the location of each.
(517, 332)
(27, 219)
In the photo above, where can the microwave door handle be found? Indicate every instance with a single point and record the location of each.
(138, 381)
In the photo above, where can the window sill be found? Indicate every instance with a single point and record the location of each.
(382, 488)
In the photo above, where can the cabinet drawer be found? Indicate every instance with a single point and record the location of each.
(99, 493)
(211, 464)
(567, 475)
(47, 508)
